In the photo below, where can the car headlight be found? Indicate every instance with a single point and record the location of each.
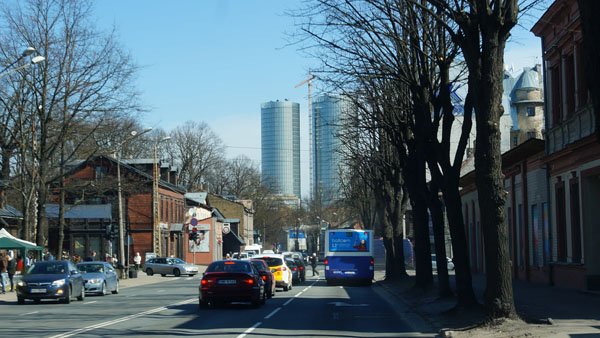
(58, 283)
(95, 281)
(21, 283)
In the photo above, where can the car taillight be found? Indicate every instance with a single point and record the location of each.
(301, 268)
(206, 281)
(294, 269)
(326, 261)
(372, 261)
(264, 278)
(249, 281)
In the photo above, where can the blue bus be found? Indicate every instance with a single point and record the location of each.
(349, 256)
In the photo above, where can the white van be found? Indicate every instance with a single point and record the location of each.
(253, 249)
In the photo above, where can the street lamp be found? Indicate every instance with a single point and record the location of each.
(118, 154)
(155, 202)
(28, 51)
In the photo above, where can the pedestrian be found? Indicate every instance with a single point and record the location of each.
(48, 256)
(137, 260)
(228, 256)
(11, 270)
(313, 263)
(3, 270)
(91, 257)
(115, 261)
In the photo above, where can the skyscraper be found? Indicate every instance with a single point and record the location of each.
(327, 117)
(280, 147)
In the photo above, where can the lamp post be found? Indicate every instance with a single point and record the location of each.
(124, 262)
(156, 238)
(28, 51)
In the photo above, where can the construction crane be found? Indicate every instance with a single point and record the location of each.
(308, 81)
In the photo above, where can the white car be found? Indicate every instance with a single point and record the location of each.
(434, 263)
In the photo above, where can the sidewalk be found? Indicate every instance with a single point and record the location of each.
(546, 311)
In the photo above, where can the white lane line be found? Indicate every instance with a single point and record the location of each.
(28, 313)
(298, 294)
(249, 330)
(306, 289)
(120, 320)
(272, 313)
(92, 302)
(289, 301)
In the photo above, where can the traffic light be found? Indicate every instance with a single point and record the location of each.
(193, 235)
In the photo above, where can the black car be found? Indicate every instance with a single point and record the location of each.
(231, 281)
(300, 264)
(51, 280)
(295, 271)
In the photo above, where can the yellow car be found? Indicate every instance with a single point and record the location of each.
(282, 273)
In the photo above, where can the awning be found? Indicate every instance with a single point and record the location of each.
(232, 236)
(8, 241)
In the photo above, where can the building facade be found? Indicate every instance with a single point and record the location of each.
(573, 151)
(280, 147)
(327, 118)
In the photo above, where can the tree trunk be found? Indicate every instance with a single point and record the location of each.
(437, 218)
(489, 178)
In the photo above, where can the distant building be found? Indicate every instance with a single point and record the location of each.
(523, 98)
(280, 146)
(327, 118)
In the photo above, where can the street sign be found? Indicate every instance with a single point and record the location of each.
(194, 221)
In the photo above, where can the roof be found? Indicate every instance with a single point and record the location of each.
(85, 211)
(233, 236)
(198, 197)
(10, 212)
(528, 80)
(177, 227)
(231, 220)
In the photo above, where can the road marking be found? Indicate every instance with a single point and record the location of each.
(298, 294)
(161, 290)
(28, 313)
(272, 313)
(92, 302)
(249, 330)
(120, 320)
(305, 289)
(289, 301)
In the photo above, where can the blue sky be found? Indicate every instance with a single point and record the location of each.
(218, 60)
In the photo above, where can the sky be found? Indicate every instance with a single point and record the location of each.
(217, 60)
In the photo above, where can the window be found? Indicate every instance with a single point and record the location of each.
(100, 172)
(556, 101)
(530, 111)
(570, 84)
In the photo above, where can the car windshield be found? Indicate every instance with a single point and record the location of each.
(272, 261)
(176, 261)
(47, 268)
(90, 267)
(229, 266)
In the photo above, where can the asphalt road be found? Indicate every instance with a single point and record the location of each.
(170, 309)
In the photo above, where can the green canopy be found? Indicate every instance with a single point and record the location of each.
(8, 241)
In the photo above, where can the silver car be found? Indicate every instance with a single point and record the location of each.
(169, 266)
(99, 278)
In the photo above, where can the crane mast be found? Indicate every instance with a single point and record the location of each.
(308, 82)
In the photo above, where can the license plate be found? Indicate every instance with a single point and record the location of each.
(227, 281)
(38, 290)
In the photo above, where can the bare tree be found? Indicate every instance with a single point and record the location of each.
(86, 80)
(196, 149)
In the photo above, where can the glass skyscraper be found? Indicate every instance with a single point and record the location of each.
(280, 146)
(327, 118)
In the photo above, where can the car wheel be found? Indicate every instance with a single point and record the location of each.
(176, 272)
(163, 274)
(20, 300)
(67, 299)
(104, 290)
(149, 272)
(285, 288)
(116, 290)
(81, 297)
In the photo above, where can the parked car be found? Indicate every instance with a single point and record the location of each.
(169, 266)
(282, 273)
(434, 263)
(231, 281)
(266, 275)
(51, 280)
(99, 278)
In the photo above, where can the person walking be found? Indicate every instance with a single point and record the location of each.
(11, 270)
(3, 270)
(313, 263)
